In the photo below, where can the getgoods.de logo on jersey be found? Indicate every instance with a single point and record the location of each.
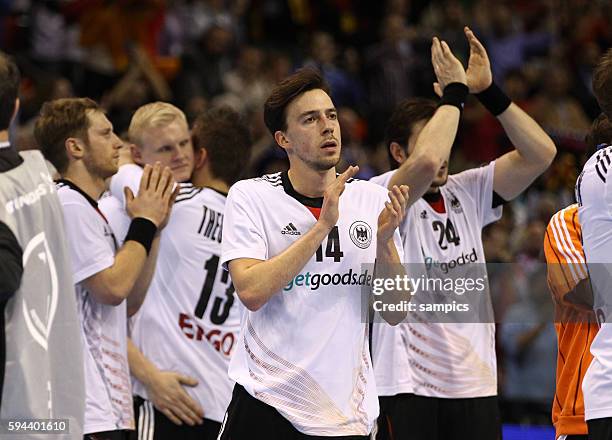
(445, 266)
(361, 234)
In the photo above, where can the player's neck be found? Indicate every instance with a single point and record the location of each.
(90, 185)
(4, 136)
(203, 178)
(309, 182)
(218, 185)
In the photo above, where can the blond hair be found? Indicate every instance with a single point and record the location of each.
(155, 114)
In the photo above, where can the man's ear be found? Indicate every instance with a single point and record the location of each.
(74, 148)
(16, 109)
(136, 154)
(398, 153)
(281, 139)
(200, 155)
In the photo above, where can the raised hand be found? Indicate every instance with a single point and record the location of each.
(479, 76)
(447, 67)
(331, 196)
(393, 213)
(155, 195)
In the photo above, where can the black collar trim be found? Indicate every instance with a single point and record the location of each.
(433, 197)
(313, 202)
(73, 186)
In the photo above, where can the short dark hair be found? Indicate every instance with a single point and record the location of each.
(60, 119)
(9, 90)
(600, 133)
(225, 136)
(275, 107)
(402, 120)
(602, 83)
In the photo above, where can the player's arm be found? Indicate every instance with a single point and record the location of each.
(534, 149)
(139, 291)
(141, 286)
(434, 143)
(388, 262)
(533, 154)
(581, 296)
(165, 389)
(148, 211)
(256, 281)
(567, 275)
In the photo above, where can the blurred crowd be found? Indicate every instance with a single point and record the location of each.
(200, 53)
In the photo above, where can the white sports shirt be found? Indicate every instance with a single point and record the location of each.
(594, 195)
(305, 352)
(92, 244)
(190, 318)
(449, 360)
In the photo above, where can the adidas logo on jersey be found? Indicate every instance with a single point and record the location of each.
(290, 229)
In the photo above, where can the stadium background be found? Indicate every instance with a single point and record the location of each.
(200, 53)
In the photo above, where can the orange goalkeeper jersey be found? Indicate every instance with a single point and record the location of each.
(575, 324)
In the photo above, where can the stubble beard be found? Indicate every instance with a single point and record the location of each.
(323, 164)
(102, 169)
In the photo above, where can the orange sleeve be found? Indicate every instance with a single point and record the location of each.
(565, 261)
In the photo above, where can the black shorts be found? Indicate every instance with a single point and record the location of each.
(406, 416)
(600, 429)
(248, 418)
(152, 424)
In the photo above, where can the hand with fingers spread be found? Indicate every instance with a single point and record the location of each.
(165, 390)
(331, 197)
(173, 196)
(479, 76)
(447, 67)
(155, 195)
(393, 213)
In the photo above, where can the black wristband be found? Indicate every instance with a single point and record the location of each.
(142, 231)
(454, 94)
(494, 99)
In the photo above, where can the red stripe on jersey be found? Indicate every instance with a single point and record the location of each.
(314, 211)
(438, 205)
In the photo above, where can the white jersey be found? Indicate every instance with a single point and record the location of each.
(108, 400)
(448, 360)
(305, 352)
(189, 320)
(594, 195)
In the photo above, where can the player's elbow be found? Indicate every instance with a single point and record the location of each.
(108, 297)
(104, 291)
(550, 153)
(251, 300)
(112, 296)
(427, 166)
(431, 166)
(394, 318)
(132, 309)
(547, 152)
